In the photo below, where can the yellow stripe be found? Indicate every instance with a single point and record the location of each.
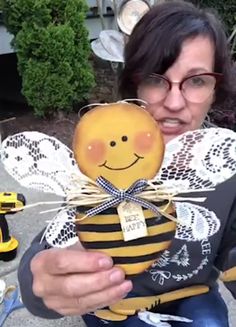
(137, 250)
(1, 238)
(145, 303)
(129, 307)
(229, 275)
(12, 244)
(116, 236)
(114, 219)
(135, 268)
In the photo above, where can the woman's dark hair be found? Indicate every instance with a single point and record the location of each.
(157, 39)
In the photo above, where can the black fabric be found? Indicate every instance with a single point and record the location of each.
(227, 255)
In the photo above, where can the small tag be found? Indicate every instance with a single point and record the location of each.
(132, 220)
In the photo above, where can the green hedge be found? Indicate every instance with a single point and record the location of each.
(53, 49)
(225, 8)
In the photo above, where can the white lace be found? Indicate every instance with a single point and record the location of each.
(196, 160)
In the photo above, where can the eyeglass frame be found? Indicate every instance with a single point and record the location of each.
(218, 77)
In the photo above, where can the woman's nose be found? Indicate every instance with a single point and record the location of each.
(175, 100)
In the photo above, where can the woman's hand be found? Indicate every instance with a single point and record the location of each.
(74, 281)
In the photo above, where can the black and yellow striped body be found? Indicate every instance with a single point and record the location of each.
(103, 233)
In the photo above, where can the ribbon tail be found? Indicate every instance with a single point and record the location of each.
(152, 207)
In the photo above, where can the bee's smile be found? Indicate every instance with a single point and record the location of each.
(122, 168)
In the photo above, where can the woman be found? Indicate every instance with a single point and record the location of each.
(177, 60)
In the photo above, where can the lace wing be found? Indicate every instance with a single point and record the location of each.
(195, 223)
(199, 159)
(39, 161)
(61, 231)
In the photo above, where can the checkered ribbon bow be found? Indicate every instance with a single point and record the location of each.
(119, 196)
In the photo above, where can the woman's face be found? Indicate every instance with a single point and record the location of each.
(174, 113)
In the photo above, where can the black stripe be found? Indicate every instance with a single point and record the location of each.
(121, 243)
(106, 227)
(4, 230)
(113, 210)
(135, 259)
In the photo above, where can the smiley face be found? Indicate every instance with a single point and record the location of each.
(120, 142)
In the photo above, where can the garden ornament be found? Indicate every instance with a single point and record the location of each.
(119, 184)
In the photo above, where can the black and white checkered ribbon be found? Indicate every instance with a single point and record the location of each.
(119, 196)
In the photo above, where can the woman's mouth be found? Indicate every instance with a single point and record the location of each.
(171, 126)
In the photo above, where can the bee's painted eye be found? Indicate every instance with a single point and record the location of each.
(112, 143)
(124, 138)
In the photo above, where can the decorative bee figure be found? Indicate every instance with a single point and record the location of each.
(125, 192)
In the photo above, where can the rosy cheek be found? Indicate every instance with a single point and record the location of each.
(143, 142)
(96, 151)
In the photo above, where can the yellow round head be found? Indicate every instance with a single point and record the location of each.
(119, 141)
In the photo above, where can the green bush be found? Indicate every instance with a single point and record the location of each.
(53, 49)
(225, 8)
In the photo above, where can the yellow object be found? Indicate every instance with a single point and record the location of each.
(151, 301)
(119, 141)
(103, 233)
(10, 203)
(123, 143)
(12, 244)
(130, 306)
(10, 200)
(228, 275)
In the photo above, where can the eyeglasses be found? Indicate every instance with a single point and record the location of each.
(195, 88)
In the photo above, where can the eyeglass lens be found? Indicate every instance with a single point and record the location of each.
(195, 88)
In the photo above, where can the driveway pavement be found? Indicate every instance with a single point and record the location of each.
(24, 226)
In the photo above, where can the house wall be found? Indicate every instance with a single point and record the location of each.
(92, 22)
(5, 39)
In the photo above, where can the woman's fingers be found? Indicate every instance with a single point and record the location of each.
(76, 285)
(74, 281)
(63, 261)
(89, 303)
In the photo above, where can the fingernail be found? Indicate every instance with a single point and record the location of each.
(116, 276)
(105, 263)
(126, 287)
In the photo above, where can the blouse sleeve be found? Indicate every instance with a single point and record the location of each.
(34, 304)
(226, 260)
